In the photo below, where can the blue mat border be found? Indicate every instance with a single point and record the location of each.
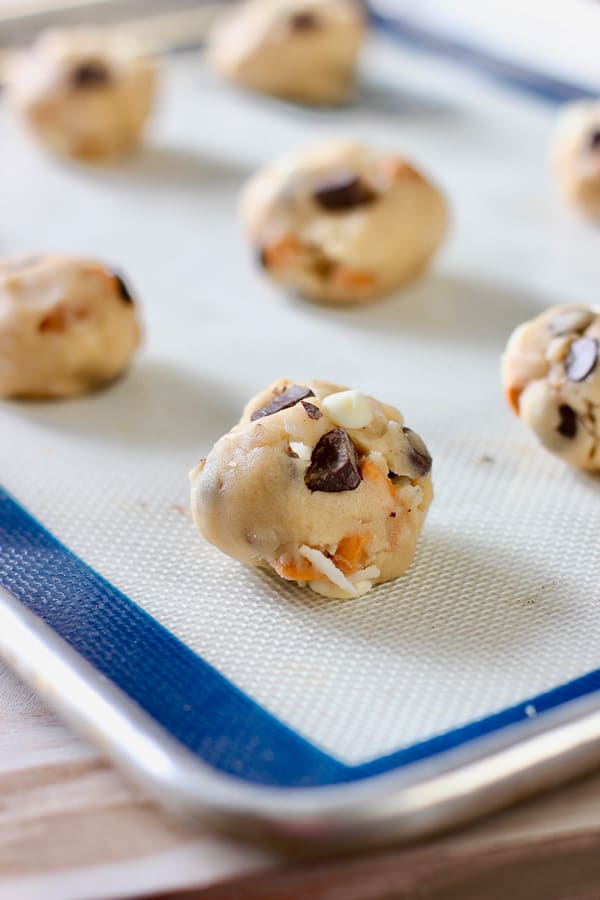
(188, 697)
(538, 84)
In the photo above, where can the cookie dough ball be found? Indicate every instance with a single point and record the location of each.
(66, 326)
(86, 94)
(577, 155)
(323, 485)
(342, 223)
(303, 50)
(551, 374)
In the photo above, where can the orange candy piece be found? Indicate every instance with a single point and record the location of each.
(351, 553)
(512, 394)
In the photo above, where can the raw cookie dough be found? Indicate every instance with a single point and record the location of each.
(86, 94)
(323, 485)
(304, 50)
(342, 223)
(577, 155)
(66, 326)
(551, 374)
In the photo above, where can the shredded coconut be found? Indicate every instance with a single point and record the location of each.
(362, 574)
(301, 450)
(326, 566)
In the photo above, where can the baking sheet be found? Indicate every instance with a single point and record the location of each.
(502, 601)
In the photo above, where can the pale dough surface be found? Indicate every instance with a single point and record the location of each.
(342, 223)
(303, 50)
(551, 375)
(85, 93)
(66, 325)
(249, 497)
(576, 154)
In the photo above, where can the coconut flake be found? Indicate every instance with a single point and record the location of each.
(362, 574)
(301, 450)
(327, 567)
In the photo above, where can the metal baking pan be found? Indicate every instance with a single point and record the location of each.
(467, 684)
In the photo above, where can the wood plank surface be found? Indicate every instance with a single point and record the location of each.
(72, 827)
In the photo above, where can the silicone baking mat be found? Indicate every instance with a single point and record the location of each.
(499, 616)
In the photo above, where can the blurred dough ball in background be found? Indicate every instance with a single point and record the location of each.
(577, 155)
(304, 50)
(343, 223)
(551, 376)
(85, 93)
(67, 325)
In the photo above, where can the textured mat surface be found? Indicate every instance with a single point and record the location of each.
(502, 602)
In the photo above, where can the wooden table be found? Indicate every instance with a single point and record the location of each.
(72, 827)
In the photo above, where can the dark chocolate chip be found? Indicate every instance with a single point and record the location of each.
(576, 319)
(568, 421)
(313, 412)
(582, 358)
(594, 140)
(304, 21)
(342, 191)
(392, 515)
(124, 291)
(90, 74)
(418, 454)
(334, 464)
(289, 397)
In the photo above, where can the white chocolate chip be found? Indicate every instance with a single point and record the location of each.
(348, 409)
(301, 450)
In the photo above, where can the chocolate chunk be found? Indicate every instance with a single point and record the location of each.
(313, 412)
(124, 291)
(582, 358)
(418, 454)
(288, 398)
(90, 74)
(304, 21)
(334, 464)
(568, 421)
(342, 191)
(594, 140)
